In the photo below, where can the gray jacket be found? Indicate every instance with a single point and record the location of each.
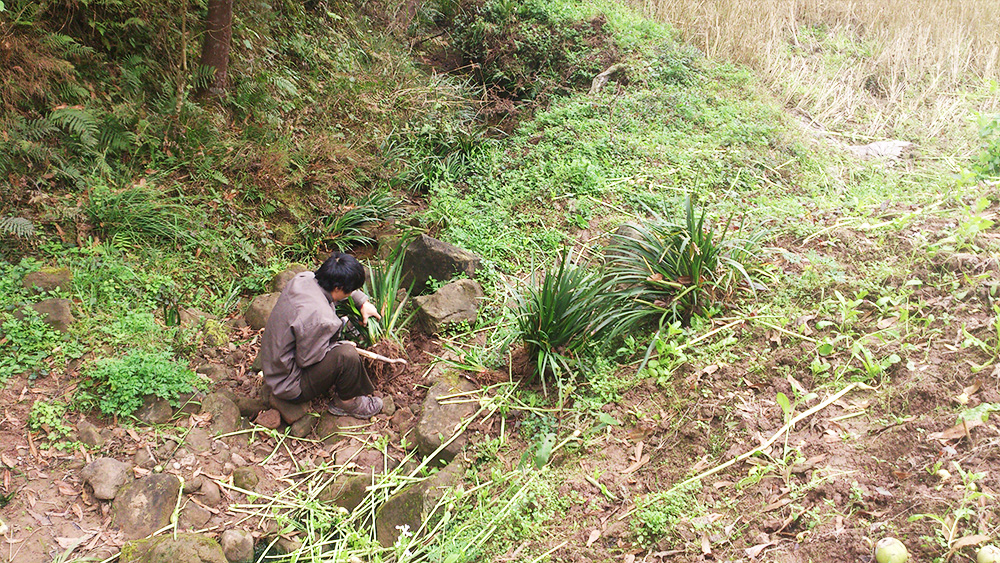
(302, 328)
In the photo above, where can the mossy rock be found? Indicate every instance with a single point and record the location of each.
(216, 333)
(187, 548)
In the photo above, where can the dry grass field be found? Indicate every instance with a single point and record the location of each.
(919, 70)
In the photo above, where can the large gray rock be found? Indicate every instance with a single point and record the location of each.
(225, 413)
(90, 434)
(409, 508)
(237, 545)
(249, 406)
(279, 281)
(106, 476)
(187, 548)
(260, 309)
(57, 313)
(145, 506)
(154, 410)
(347, 493)
(194, 517)
(245, 478)
(439, 422)
(428, 257)
(49, 279)
(622, 234)
(328, 428)
(454, 303)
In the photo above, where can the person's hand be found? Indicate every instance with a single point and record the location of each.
(369, 310)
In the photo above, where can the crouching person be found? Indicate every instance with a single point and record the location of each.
(303, 353)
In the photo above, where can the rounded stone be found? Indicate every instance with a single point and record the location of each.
(237, 545)
(106, 476)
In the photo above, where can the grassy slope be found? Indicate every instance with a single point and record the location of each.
(569, 175)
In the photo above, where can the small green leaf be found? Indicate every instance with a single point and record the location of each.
(824, 349)
(605, 418)
(544, 451)
(783, 402)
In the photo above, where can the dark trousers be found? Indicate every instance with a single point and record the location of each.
(340, 372)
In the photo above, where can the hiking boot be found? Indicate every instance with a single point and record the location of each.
(365, 406)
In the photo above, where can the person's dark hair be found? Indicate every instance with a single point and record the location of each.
(341, 271)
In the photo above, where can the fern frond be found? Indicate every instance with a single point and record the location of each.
(66, 45)
(78, 122)
(17, 226)
(71, 92)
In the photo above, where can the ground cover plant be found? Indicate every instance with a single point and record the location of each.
(788, 354)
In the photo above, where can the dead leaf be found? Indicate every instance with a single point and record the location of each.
(72, 543)
(638, 451)
(967, 541)
(777, 504)
(8, 461)
(706, 545)
(636, 465)
(753, 552)
(629, 558)
(709, 370)
(886, 323)
(593, 537)
(956, 432)
(132, 434)
(657, 277)
(723, 484)
(66, 490)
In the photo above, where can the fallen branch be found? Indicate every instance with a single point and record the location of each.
(791, 423)
(379, 357)
(601, 79)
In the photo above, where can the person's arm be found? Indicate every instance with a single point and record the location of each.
(364, 305)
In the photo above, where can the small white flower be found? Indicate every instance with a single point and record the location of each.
(404, 530)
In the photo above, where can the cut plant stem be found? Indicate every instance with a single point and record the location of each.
(788, 332)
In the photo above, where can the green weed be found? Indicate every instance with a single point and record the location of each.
(49, 417)
(657, 513)
(31, 345)
(121, 383)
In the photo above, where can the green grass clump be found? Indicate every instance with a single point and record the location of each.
(121, 383)
(141, 214)
(673, 270)
(558, 318)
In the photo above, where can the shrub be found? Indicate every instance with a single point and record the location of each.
(121, 383)
(673, 270)
(557, 319)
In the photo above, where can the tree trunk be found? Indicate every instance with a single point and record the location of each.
(215, 50)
